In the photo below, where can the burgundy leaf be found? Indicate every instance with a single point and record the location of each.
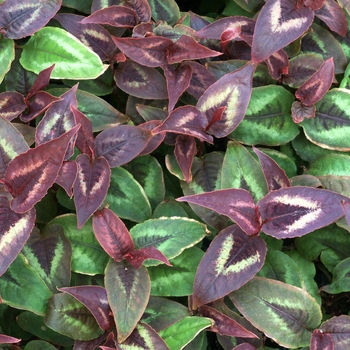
(275, 176)
(20, 21)
(244, 346)
(235, 203)
(85, 139)
(122, 143)
(42, 80)
(300, 112)
(278, 64)
(112, 234)
(95, 299)
(232, 259)
(12, 104)
(314, 4)
(66, 176)
(279, 23)
(317, 85)
(321, 341)
(116, 16)
(216, 116)
(91, 185)
(156, 140)
(197, 22)
(89, 344)
(137, 257)
(142, 29)
(225, 325)
(142, 9)
(185, 150)
(186, 48)
(31, 174)
(93, 35)
(338, 328)
(295, 211)
(229, 34)
(150, 51)
(333, 15)
(186, 120)
(14, 232)
(6, 339)
(178, 80)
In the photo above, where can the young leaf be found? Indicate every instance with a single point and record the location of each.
(41, 81)
(321, 341)
(156, 140)
(278, 64)
(232, 259)
(185, 150)
(12, 104)
(32, 173)
(137, 257)
(300, 112)
(6, 339)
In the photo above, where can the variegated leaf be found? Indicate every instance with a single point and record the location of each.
(90, 187)
(232, 259)
(66, 176)
(14, 232)
(165, 10)
(12, 104)
(185, 150)
(296, 211)
(42, 80)
(32, 173)
(321, 341)
(338, 328)
(156, 140)
(18, 20)
(7, 55)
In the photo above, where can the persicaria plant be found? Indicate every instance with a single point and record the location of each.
(174, 180)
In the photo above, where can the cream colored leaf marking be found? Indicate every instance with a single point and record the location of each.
(14, 230)
(97, 35)
(7, 149)
(83, 181)
(297, 201)
(20, 6)
(3, 102)
(146, 336)
(189, 117)
(225, 256)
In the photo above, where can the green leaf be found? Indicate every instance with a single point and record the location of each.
(181, 274)
(22, 288)
(165, 10)
(283, 312)
(56, 46)
(169, 208)
(39, 345)
(178, 335)
(82, 6)
(88, 257)
(7, 55)
(68, 316)
(126, 197)
(268, 118)
(330, 164)
(169, 235)
(246, 172)
(341, 278)
(330, 127)
(128, 291)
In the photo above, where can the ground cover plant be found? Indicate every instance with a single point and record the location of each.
(172, 179)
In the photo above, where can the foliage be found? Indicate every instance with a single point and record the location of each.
(168, 177)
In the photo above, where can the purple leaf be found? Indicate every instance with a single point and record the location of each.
(232, 259)
(137, 257)
(321, 341)
(95, 299)
(295, 211)
(112, 234)
(346, 208)
(12, 104)
(237, 204)
(156, 140)
(6, 339)
(91, 185)
(14, 232)
(31, 174)
(185, 150)
(142, 9)
(66, 176)
(278, 64)
(279, 23)
(275, 176)
(338, 328)
(314, 4)
(300, 112)
(42, 80)
(244, 346)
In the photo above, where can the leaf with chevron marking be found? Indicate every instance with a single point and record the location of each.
(14, 232)
(185, 150)
(142, 9)
(339, 329)
(7, 55)
(165, 10)
(30, 175)
(232, 259)
(21, 20)
(91, 185)
(12, 104)
(295, 211)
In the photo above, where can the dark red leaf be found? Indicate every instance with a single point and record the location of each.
(116, 16)
(321, 341)
(42, 80)
(185, 150)
(216, 117)
(314, 4)
(66, 176)
(12, 104)
(178, 80)
(32, 173)
(142, 30)
(317, 85)
(229, 34)
(338, 328)
(137, 257)
(295, 211)
(91, 185)
(278, 64)
(142, 9)
(225, 325)
(278, 24)
(156, 140)
(90, 344)
(112, 234)
(15, 230)
(95, 299)
(232, 259)
(275, 176)
(235, 203)
(300, 112)
(6, 339)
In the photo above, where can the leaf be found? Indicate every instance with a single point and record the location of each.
(340, 280)
(41, 82)
(291, 311)
(22, 288)
(185, 150)
(90, 187)
(112, 234)
(165, 10)
(137, 257)
(20, 21)
(156, 140)
(280, 22)
(72, 59)
(68, 316)
(128, 291)
(295, 211)
(339, 329)
(32, 173)
(120, 144)
(39, 345)
(66, 176)
(233, 91)
(7, 55)
(232, 259)
(12, 104)
(6, 339)
(278, 64)
(321, 341)
(300, 112)
(49, 253)
(142, 9)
